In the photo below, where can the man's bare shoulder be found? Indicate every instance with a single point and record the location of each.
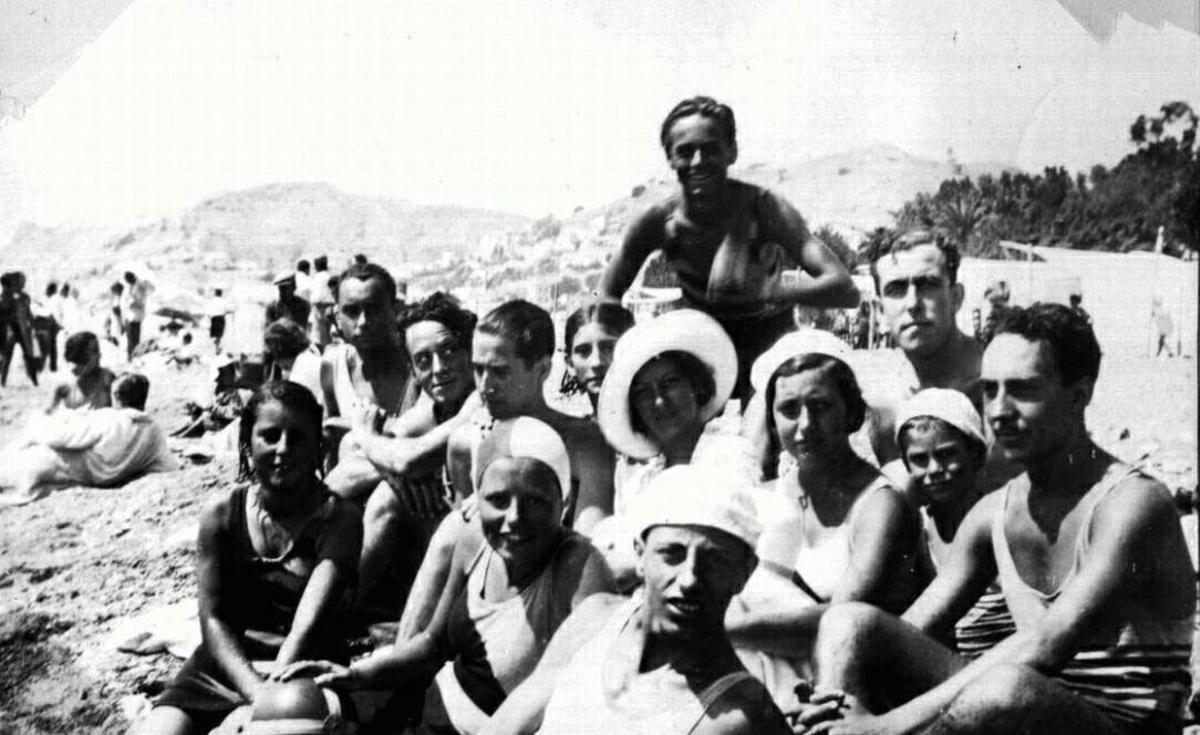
(575, 429)
(1136, 499)
(746, 707)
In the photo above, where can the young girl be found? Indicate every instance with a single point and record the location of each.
(277, 561)
(590, 335)
(941, 440)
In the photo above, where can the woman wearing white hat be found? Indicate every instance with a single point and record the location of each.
(838, 528)
(488, 634)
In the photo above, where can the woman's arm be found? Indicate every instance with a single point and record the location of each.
(221, 639)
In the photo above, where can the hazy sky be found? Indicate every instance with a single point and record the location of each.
(538, 105)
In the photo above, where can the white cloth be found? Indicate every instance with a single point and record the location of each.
(133, 300)
(103, 446)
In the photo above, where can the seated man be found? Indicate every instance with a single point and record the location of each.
(402, 513)
(1090, 558)
(92, 385)
(661, 661)
(104, 447)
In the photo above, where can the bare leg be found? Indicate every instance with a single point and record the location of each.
(1016, 699)
(166, 721)
(879, 659)
(394, 544)
(434, 574)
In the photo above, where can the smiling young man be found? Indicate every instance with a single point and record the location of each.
(727, 241)
(1090, 558)
(661, 661)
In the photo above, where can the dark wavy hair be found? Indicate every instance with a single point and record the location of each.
(615, 319)
(366, 272)
(527, 325)
(721, 113)
(289, 395)
(885, 246)
(284, 338)
(444, 309)
(699, 375)
(843, 380)
(77, 345)
(1071, 340)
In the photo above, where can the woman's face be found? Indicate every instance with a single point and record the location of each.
(285, 450)
(811, 419)
(520, 509)
(665, 401)
(591, 355)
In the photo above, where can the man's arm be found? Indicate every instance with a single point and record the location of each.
(824, 281)
(523, 709)
(593, 463)
(644, 236)
(964, 578)
(1121, 530)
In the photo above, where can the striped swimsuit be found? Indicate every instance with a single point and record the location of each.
(1134, 670)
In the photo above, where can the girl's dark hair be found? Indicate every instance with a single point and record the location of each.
(283, 339)
(843, 380)
(613, 317)
(976, 449)
(698, 375)
(289, 395)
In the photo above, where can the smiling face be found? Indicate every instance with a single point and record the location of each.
(441, 365)
(811, 418)
(520, 509)
(665, 401)
(365, 314)
(1031, 411)
(940, 461)
(700, 155)
(690, 575)
(919, 300)
(591, 355)
(284, 450)
(507, 384)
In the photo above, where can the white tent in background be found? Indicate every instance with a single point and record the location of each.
(1117, 290)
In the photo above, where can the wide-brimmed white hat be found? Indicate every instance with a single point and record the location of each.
(946, 405)
(806, 341)
(698, 495)
(524, 436)
(685, 330)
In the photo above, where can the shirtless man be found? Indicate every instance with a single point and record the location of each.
(917, 282)
(92, 387)
(728, 241)
(659, 662)
(1091, 560)
(365, 381)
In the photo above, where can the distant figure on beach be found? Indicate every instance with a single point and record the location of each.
(288, 305)
(304, 280)
(217, 310)
(105, 447)
(1164, 327)
(16, 325)
(323, 301)
(92, 386)
(47, 322)
(133, 310)
(733, 246)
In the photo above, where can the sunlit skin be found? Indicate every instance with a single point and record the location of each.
(591, 355)
(690, 574)
(700, 156)
(365, 315)
(441, 366)
(506, 383)
(1031, 412)
(666, 403)
(811, 419)
(285, 450)
(919, 300)
(520, 511)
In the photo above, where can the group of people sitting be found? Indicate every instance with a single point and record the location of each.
(934, 545)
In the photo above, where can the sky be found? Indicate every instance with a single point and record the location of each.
(536, 106)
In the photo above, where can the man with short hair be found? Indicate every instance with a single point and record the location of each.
(1090, 558)
(916, 277)
(660, 662)
(728, 242)
(365, 380)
